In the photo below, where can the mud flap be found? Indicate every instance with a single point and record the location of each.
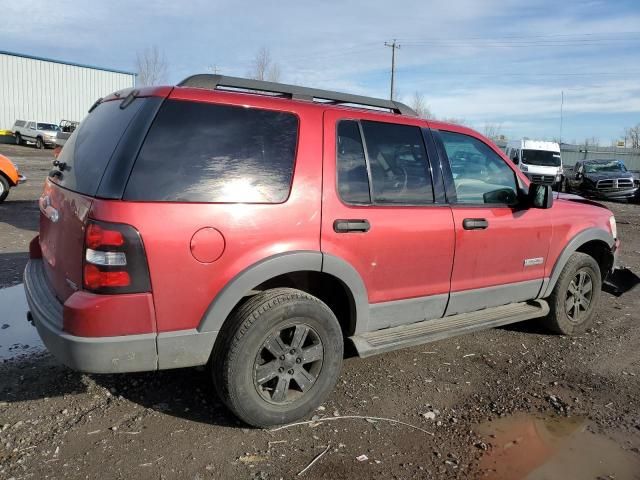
(620, 281)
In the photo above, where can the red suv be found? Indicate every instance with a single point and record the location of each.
(252, 227)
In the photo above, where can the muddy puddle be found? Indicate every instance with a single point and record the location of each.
(537, 448)
(18, 338)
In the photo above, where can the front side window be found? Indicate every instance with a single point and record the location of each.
(47, 126)
(398, 164)
(480, 175)
(200, 152)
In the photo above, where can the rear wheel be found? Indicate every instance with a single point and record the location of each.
(279, 358)
(575, 296)
(4, 188)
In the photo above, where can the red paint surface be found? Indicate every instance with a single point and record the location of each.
(408, 252)
(92, 315)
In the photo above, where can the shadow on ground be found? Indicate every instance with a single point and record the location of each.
(22, 214)
(186, 393)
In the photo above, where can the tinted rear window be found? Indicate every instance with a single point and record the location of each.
(199, 152)
(88, 150)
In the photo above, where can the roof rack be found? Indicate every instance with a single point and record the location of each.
(213, 82)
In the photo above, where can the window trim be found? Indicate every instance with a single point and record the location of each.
(449, 181)
(436, 191)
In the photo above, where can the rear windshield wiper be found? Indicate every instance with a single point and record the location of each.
(128, 100)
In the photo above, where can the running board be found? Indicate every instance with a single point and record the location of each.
(385, 340)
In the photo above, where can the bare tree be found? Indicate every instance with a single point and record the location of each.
(591, 141)
(151, 66)
(492, 130)
(632, 136)
(263, 67)
(419, 105)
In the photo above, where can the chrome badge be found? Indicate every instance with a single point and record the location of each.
(529, 262)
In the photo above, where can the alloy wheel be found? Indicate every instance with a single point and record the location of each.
(288, 363)
(579, 296)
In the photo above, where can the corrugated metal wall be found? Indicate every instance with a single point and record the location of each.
(48, 91)
(573, 153)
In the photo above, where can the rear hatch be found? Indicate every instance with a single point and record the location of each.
(94, 163)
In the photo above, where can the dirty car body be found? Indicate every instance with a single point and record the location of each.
(255, 233)
(605, 179)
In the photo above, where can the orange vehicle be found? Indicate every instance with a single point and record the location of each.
(9, 177)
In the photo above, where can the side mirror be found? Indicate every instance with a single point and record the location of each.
(506, 196)
(515, 160)
(540, 196)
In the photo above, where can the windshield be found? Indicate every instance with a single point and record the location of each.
(47, 126)
(612, 166)
(541, 157)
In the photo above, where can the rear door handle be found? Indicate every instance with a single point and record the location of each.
(475, 223)
(351, 225)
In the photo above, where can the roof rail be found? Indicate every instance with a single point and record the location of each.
(213, 82)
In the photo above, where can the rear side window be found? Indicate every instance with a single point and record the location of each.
(88, 150)
(398, 162)
(199, 152)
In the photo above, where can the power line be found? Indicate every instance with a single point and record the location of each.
(394, 46)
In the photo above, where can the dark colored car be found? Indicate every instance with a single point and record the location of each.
(605, 179)
(254, 227)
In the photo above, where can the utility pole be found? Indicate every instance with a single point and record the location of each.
(561, 105)
(394, 46)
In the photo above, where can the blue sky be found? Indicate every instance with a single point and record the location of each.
(484, 61)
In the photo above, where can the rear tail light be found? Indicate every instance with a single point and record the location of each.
(114, 259)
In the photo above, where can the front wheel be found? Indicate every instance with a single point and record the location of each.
(39, 143)
(18, 139)
(575, 296)
(279, 357)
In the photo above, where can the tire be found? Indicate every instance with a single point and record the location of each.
(39, 143)
(571, 314)
(18, 139)
(260, 341)
(4, 188)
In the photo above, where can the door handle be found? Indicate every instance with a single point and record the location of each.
(351, 225)
(475, 223)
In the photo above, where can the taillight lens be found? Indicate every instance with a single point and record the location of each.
(114, 259)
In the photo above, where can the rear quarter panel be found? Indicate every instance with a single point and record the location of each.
(183, 287)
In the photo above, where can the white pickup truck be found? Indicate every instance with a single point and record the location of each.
(39, 133)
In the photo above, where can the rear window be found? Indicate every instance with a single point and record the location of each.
(199, 152)
(89, 148)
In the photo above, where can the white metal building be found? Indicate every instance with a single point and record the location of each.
(46, 90)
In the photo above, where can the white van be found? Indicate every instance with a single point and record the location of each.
(538, 160)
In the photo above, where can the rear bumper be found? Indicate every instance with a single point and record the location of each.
(129, 353)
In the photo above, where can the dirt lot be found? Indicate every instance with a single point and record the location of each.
(506, 403)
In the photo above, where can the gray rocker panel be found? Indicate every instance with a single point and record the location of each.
(494, 296)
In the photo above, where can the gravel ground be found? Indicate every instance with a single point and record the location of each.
(505, 403)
